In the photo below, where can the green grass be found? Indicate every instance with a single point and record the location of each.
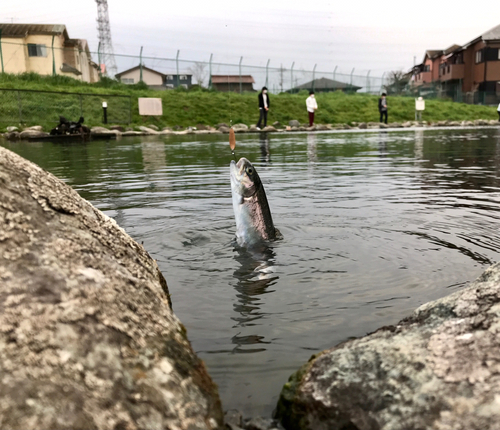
(189, 108)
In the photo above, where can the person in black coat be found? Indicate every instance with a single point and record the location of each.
(382, 107)
(264, 104)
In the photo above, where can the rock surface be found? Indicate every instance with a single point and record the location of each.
(438, 369)
(87, 337)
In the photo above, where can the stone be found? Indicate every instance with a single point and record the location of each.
(10, 129)
(480, 122)
(35, 128)
(439, 368)
(259, 423)
(88, 339)
(102, 130)
(269, 128)
(240, 128)
(467, 124)
(277, 124)
(154, 127)
(224, 129)
(294, 123)
(233, 417)
(321, 127)
(406, 124)
(362, 125)
(117, 127)
(382, 125)
(202, 127)
(148, 130)
(13, 135)
(31, 134)
(222, 124)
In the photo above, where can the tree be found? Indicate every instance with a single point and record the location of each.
(199, 73)
(397, 82)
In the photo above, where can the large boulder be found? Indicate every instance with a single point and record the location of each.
(32, 134)
(294, 123)
(437, 369)
(88, 339)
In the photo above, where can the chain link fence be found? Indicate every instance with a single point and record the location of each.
(29, 106)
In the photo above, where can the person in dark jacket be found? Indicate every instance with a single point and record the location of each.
(264, 105)
(382, 107)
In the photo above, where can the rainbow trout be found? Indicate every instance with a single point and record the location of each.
(254, 222)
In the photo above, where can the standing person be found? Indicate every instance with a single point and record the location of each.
(498, 110)
(264, 105)
(312, 105)
(382, 107)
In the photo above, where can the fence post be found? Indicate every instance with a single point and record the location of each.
(368, 82)
(53, 57)
(267, 72)
(291, 71)
(177, 66)
(352, 71)
(241, 59)
(314, 73)
(140, 65)
(1, 55)
(210, 72)
(20, 106)
(130, 109)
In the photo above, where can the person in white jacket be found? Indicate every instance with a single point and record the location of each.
(312, 105)
(498, 110)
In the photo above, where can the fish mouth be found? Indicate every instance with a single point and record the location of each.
(236, 169)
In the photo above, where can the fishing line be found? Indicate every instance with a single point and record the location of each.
(232, 138)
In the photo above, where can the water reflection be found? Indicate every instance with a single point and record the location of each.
(153, 156)
(254, 277)
(265, 152)
(312, 150)
(419, 144)
(382, 143)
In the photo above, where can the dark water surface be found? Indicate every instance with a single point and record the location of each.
(374, 225)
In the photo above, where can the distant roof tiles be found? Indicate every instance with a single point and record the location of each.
(22, 30)
(232, 79)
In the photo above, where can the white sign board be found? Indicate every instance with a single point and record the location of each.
(419, 104)
(150, 106)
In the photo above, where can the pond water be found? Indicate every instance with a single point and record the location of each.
(374, 225)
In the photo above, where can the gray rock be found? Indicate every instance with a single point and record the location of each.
(30, 134)
(321, 127)
(222, 124)
(240, 128)
(481, 122)
(439, 369)
(259, 423)
(117, 127)
(233, 417)
(148, 130)
(13, 135)
(154, 127)
(87, 336)
(35, 127)
(362, 125)
(223, 129)
(11, 129)
(467, 123)
(277, 124)
(102, 130)
(294, 123)
(382, 125)
(395, 125)
(269, 128)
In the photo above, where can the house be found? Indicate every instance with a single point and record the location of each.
(472, 69)
(45, 49)
(235, 83)
(325, 85)
(153, 79)
(174, 81)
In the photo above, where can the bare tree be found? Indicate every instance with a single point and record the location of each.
(397, 82)
(199, 73)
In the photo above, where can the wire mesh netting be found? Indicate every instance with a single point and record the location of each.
(19, 106)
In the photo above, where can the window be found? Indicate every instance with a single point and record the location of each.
(479, 56)
(37, 50)
(170, 77)
(183, 77)
(128, 80)
(171, 86)
(427, 68)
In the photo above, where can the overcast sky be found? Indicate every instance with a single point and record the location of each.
(365, 35)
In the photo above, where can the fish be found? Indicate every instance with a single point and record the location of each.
(254, 222)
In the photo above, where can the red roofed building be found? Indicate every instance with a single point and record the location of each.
(234, 83)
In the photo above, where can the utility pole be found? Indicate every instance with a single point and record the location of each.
(104, 29)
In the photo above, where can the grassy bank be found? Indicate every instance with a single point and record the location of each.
(197, 106)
